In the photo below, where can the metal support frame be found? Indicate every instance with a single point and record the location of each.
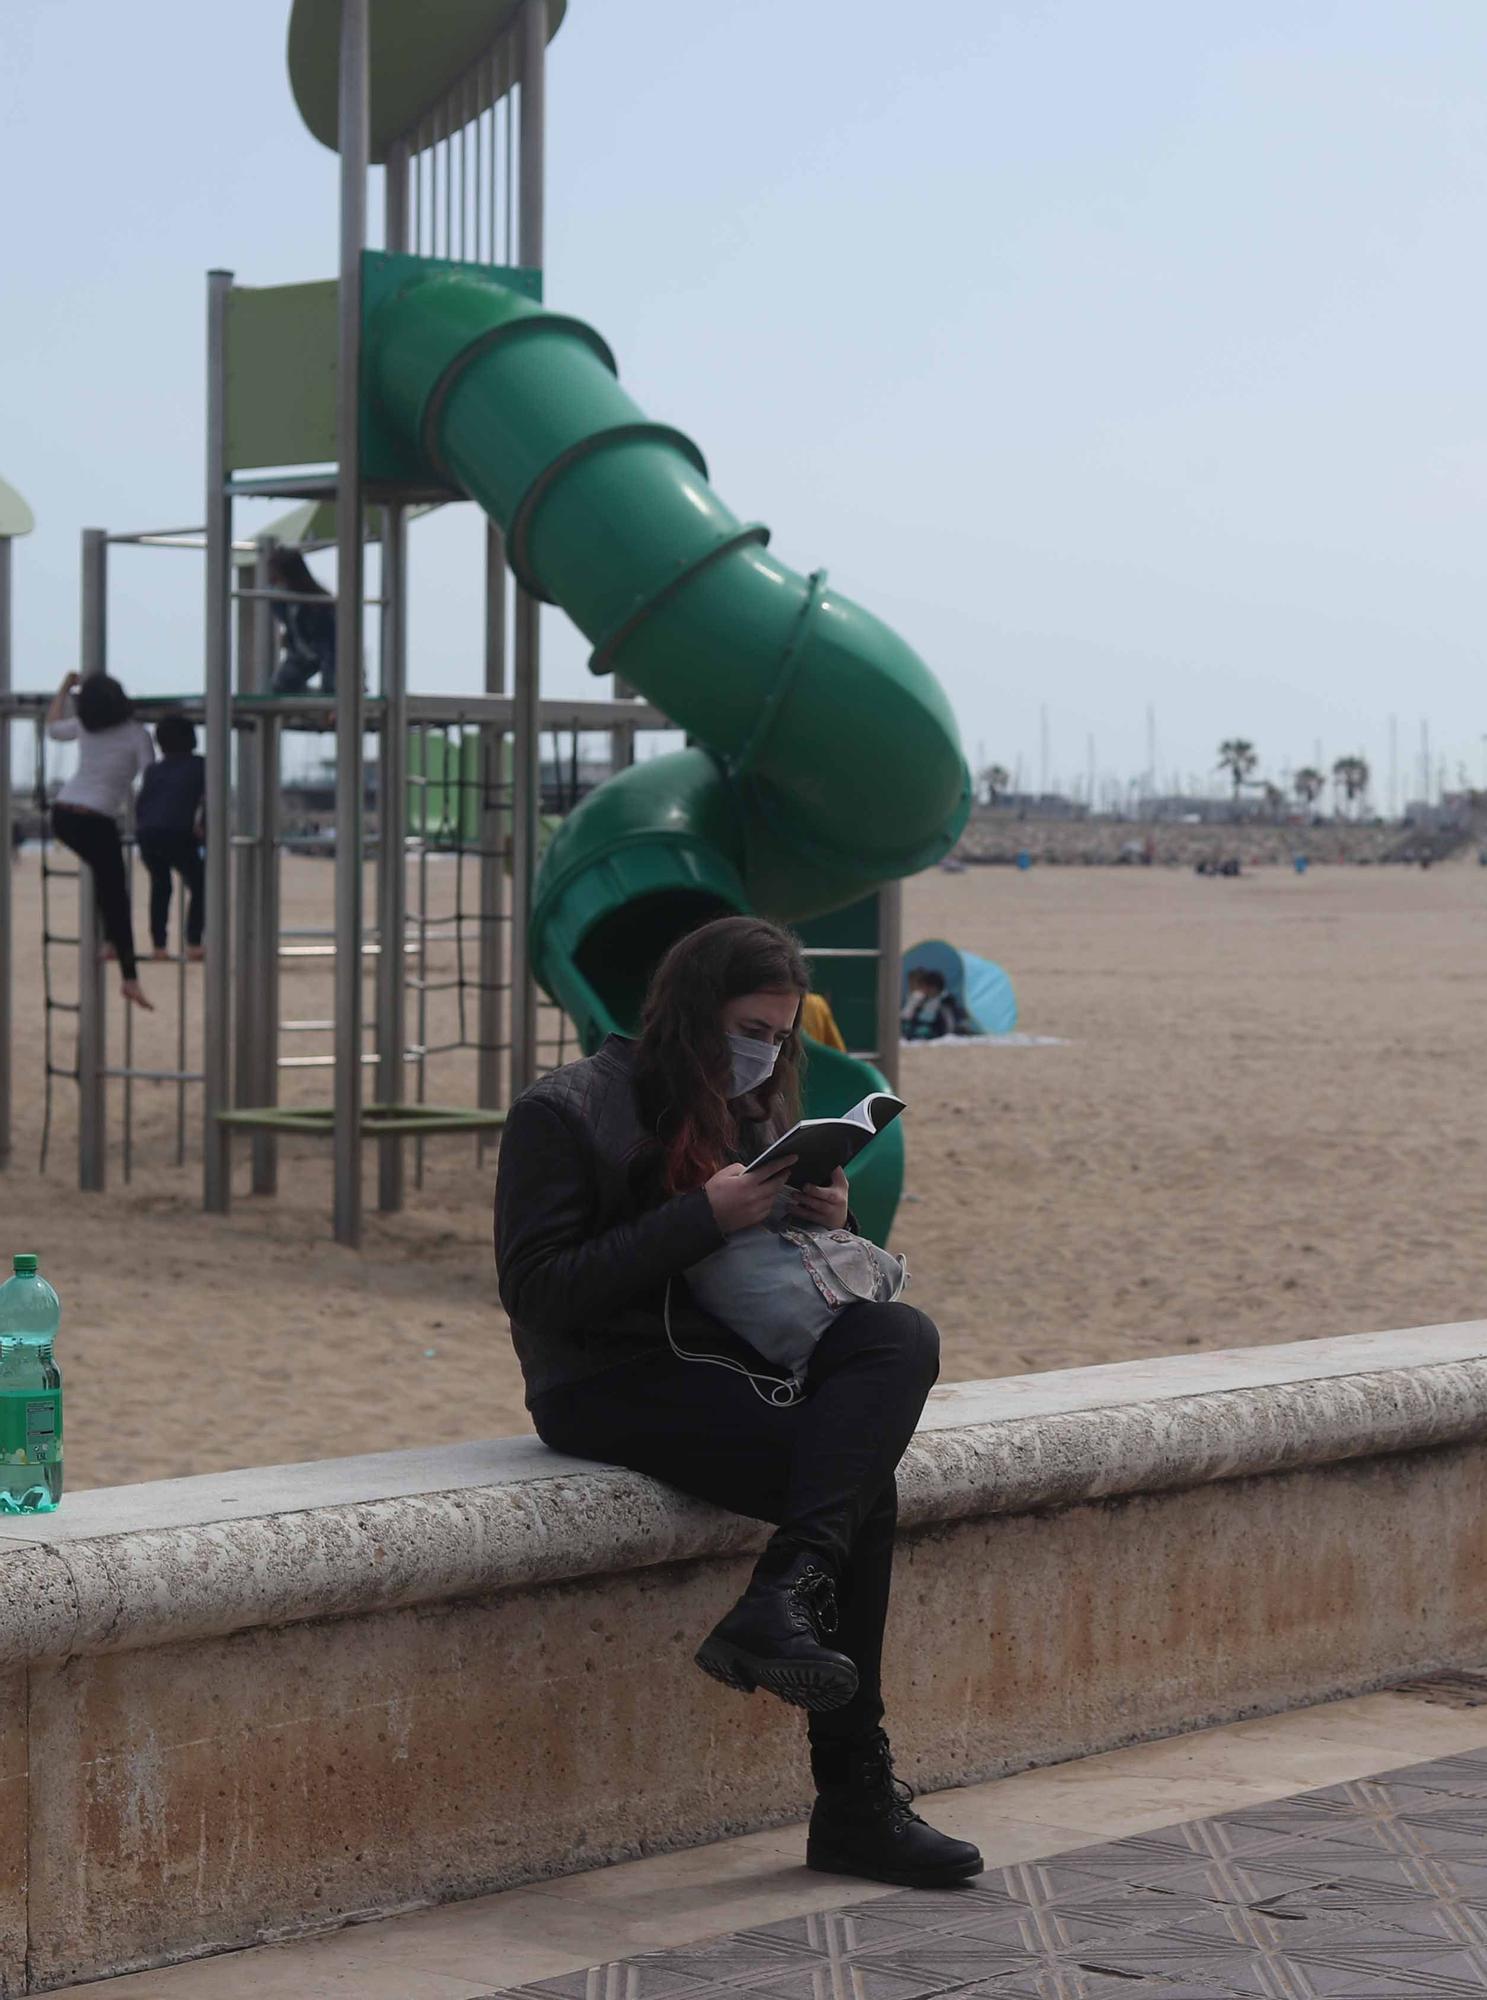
(493, 816)
(392, 761)
(392, 789)
(355, 143)
(249, 861)
(92, 1039)
(263, 1089)
(622, 740)
(890, 976)
(527, 676)
(6, 959)
(216, 1027)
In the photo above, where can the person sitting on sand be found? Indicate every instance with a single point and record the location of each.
(930, 1010)
(167, 826)
(112, 750)
(617, 1175)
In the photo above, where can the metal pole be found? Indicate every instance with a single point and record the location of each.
(216, 1025)
(354, 131)
(526, 749)
(247, 1025)
(91, 1018)
(890, 976)
(392, 789)
(260, 934)
(5, 858)
(395, 197)
(533, 136)
(622, 740)
(493, 821)
(392, 770)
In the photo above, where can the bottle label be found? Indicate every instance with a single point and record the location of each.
(31, 1428)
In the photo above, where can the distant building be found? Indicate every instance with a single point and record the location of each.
(1036, 805)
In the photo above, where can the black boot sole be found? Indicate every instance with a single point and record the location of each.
(817, 1688)
(827, 1863)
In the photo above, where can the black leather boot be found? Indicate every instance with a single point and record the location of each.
(772, 1638)
(863, 1823)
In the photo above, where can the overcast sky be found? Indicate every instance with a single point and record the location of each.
(1119, 352)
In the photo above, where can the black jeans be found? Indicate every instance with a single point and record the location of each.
(94, 839)
(165, 854)
(822, 1469)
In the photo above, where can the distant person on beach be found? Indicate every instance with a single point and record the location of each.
(168, 828)
(307, 625)
(618, 1175)
(112, 751)
(930, 1011)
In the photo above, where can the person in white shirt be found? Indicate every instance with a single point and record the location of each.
(113, 749)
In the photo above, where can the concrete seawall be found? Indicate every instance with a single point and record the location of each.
(250, 1704)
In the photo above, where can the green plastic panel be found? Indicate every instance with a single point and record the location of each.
(281, 374)
(850, 985)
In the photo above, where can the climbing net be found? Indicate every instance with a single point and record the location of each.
(456, 821)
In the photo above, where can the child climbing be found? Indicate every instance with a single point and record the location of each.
(167, 824)
(306, 618)
(112, 750)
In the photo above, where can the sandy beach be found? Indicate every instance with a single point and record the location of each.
(1264, 1124)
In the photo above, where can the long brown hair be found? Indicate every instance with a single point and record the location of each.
(682, 1064)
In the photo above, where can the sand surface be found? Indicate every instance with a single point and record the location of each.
(1267, 1124)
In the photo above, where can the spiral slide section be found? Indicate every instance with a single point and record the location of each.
(823, 757)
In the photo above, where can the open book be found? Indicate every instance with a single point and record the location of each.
(821, 1145)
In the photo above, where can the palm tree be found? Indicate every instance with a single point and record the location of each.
(1238, 758)
(994, 781)
(1309, 784)
(1351, 774)
(1275, 798)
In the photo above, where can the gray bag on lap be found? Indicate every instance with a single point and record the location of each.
(779, 1286)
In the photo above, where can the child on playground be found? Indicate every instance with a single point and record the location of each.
(112, 750)
(168, 827)
(307, 625)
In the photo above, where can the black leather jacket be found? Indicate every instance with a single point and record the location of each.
(584, 1249)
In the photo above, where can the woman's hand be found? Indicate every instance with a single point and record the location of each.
(70, 681)
(741, 1199)
(822, 1207)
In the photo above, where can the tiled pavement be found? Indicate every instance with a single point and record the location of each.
(1373, 1887)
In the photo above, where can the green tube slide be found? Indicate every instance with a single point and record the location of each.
(823, 757)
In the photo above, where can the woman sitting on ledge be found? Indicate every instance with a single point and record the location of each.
(620, 1173)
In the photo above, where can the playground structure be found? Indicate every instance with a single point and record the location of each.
(427, 373)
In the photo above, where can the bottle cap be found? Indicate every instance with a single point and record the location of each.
(25, 1265)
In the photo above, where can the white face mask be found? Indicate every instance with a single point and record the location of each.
(753, 1063)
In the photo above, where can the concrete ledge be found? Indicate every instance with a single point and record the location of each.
(135, 1566)
(263, 1701)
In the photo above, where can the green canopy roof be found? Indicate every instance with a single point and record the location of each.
(16, 517)
(420, 49)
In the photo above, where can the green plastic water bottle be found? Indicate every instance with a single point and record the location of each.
(30, 1394)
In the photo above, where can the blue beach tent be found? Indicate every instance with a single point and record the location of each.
(982, 990)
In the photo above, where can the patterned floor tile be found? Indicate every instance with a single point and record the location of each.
(1350, 1892)
(1072, 1983)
